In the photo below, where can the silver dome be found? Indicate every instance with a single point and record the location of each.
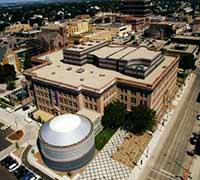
(65, 130)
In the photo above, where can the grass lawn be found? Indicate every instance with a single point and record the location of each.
(103, 137)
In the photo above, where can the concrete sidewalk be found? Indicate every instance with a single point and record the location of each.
(195, 168)
(162, 131)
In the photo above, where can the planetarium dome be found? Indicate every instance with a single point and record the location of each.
(67, 142)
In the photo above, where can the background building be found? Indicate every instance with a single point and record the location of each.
(196, 25)
(8, 56)
(77, 27)
(138, 8)
(17, 28)
(67, 142)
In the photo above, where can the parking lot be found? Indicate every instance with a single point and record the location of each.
(15, 170)
(4, 174)
(4, 143)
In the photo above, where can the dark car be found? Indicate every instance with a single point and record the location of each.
(8, 161)
(28, 176)
(7, 158)
(198, 117)
(21, 172)
(193, 140)
(24, 108)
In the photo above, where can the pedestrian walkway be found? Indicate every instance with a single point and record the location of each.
(195, 169)
(103, 166)
(164, 124)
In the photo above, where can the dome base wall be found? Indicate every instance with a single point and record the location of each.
(70, 165)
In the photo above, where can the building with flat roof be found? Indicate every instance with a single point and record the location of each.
(196, 25)
(18, 27)
(77, 54)
(60, 85)
(186, 39)
(136, 62)
(116, 29)
(77, 27)
(181, 49)
(94, 117)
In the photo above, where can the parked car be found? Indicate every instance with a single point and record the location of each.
(193, 140)
(13, 167)
(7, 158)
(9, 110)
(28, 176)
(198, 117)
(20, 172)
(36, 177)
(25, 108)
(8, 161)
(3, 128)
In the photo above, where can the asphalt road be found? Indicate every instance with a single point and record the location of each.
(5, 175)
(173, 159)
(35, 170)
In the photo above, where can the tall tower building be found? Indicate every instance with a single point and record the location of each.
(137, 8)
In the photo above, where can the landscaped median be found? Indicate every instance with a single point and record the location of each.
(6, 103)
(103, 137)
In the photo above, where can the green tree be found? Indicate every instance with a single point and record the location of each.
(17, 145)
(9, 72)
(140, 119)
(114, 115)
(187, 62)
(132, 37)
(2, 79)
(27, 61)
(10, 85)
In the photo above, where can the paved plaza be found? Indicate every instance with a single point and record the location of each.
(103, 166)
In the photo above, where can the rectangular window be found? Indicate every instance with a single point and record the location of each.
(95, 108)
(141, 102)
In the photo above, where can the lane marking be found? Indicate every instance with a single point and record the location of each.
(162, 174)
(166, 172)
(150, 178)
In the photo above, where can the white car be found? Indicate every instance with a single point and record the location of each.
(36, 177)
(3, 128)
(198, 117)
(13, 167)
(9, 110)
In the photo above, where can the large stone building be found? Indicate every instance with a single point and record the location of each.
(61, 29)
(77, 27)
(17, 28)
(92, 75)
